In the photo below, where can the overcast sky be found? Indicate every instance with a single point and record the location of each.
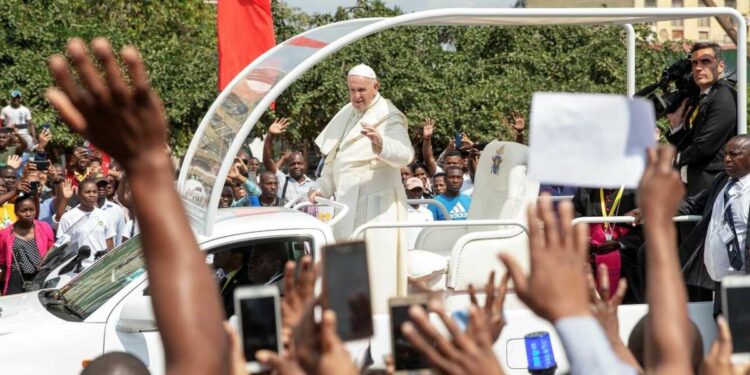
(328, 6)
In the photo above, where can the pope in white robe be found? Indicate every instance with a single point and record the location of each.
(366, 144)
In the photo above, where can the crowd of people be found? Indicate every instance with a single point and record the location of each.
(80, 199)
(89, 200)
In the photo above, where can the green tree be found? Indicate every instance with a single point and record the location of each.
(177, 38)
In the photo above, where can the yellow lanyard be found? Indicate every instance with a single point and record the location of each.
(612, 209)
(693, 116)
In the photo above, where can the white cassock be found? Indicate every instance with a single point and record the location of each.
(371, 186)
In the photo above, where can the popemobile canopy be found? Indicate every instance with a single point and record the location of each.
(234, 113)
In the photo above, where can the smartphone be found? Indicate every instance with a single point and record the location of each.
(735, 299)
(46, 126)
(346, 288)
(405, 357)
(41, 165)
(459, 140)
(539, 353)
(34, 187)
(259, 315)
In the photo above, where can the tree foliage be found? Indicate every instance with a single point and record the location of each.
(177, 39)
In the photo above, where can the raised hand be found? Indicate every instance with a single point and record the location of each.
(428, 128)
(493, 304)
(14, 161)
(678, 116)
(377, 141)
(297, 293)
(128, 122)
(279, 126)
(556, 286)
(519, 122)
(43, 139)
(234, 173)
(334, 359)
(462, 354)
(67, 189)
(661, 189)
(719, 358)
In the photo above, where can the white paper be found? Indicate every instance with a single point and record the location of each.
(589, 140)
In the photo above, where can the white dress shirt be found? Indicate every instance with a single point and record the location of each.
(715, 253)
(588, 349)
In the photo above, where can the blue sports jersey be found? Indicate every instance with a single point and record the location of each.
(458, 207)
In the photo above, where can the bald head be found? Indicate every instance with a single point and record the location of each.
(116, 363)
(268, 184)
(737, 156)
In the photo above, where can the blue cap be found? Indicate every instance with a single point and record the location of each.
(15, 94)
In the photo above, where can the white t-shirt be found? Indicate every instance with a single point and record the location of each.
(92, 229)
(16, 116)
(117, 217)
(293, 188)
(416, 215)
(131, 229)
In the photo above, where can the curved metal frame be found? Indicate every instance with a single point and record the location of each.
(447, 17)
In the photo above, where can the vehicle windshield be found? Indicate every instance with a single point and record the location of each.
(92, 288)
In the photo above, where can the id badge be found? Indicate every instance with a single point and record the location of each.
(608, 236)
(726, 234)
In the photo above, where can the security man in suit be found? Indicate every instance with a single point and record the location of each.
(718, 246)
(700, 132)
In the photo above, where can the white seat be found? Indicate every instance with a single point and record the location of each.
(501, 192)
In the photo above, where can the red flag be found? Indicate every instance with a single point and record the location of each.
(245, 31)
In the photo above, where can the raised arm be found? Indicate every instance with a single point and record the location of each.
(428, 128)
(277, 128)
(661, 191)
(129, 123)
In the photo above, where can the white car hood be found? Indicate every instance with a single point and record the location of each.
(34, 341)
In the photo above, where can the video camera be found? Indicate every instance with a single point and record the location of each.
(666, 101)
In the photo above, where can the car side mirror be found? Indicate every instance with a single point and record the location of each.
(137, 315)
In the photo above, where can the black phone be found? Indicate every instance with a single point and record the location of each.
(346, 288)
(405, 357)
(34, 187)
(259, 313)
(41, 165)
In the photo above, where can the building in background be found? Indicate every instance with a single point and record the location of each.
(697, 29)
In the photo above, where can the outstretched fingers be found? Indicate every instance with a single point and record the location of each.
(87, 71)
(103, 51)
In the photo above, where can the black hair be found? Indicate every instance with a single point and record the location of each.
(23, 197)
(452, 153)
(712, 45)
(415, 166)
(452, 168)
(116, 363)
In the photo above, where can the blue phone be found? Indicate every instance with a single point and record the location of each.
(45, 126)
(539, 353)
(459, 139)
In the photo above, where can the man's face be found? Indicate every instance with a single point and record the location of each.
(9, 177)
(15, 102)
(268, 185)
(453, 181)
(362, 91)
(95, 167)
(226, 198)
(737, 158)
(262, 265)
(453, 161)
(101, 189)
(254, 165)
(110, 186)
(83, 161)
(296, 166)
(415, 193)
(88, 194)
(421, 174)
(4, 140)
(438, 185)
(405, 174)
(706, 68)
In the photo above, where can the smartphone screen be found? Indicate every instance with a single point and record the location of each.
(258, 320)
(738, 317)
(539, 352)
(405, 356)
(347, 289)
(41, 165)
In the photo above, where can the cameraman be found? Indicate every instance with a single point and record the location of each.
(701, 132)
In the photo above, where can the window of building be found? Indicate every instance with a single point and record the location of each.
(650, 3)
(678, 34)
(704, 22)
(730, 3)
(677, 4)
(703, 35)
(677, 23)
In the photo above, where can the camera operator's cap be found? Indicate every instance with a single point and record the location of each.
(413, 183)
(15, 94)
(363, 70)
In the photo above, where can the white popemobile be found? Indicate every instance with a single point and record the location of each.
(107, 307)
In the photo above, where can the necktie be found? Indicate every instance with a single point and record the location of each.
(733, 247)
(697, 110)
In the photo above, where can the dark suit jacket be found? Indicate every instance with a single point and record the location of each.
(692, 248)
(701, 146)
